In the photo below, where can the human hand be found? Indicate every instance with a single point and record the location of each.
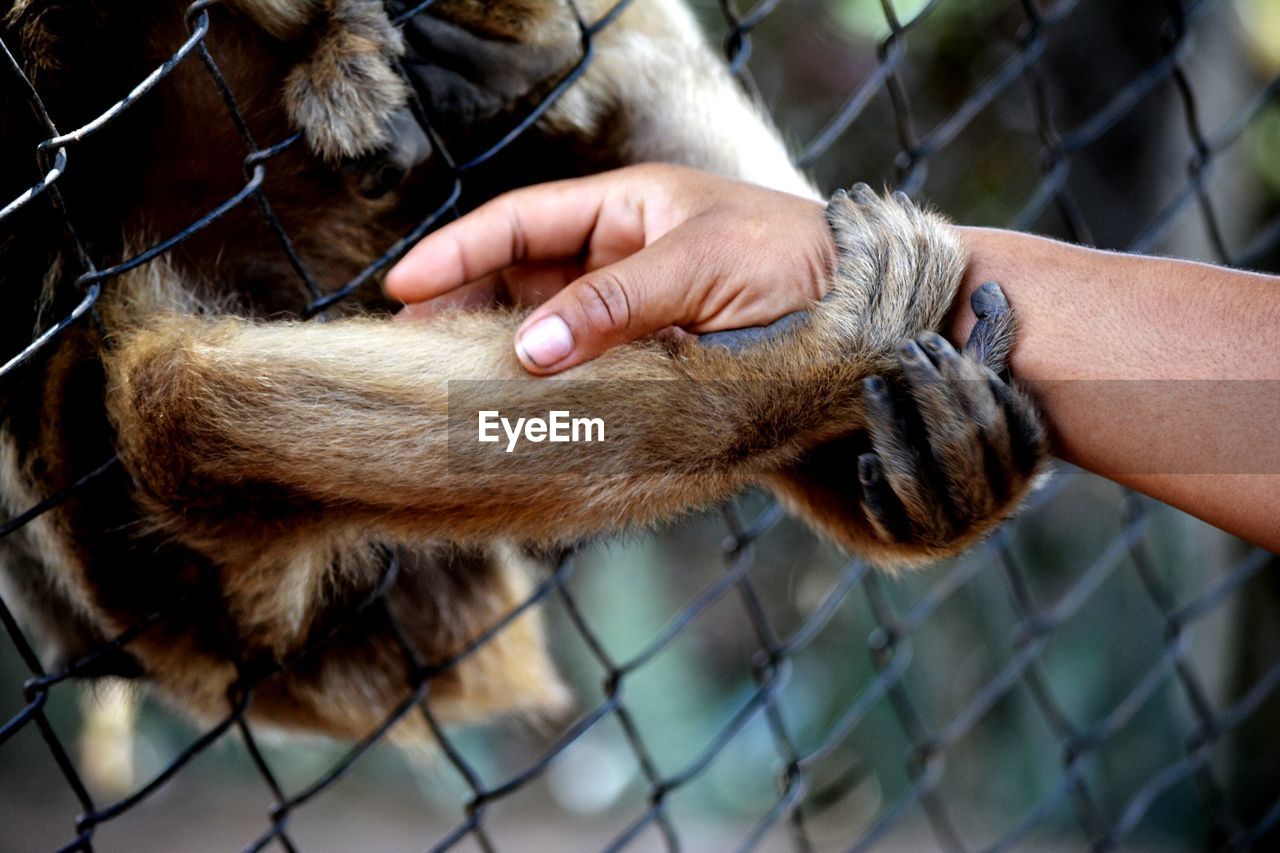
(621, 255)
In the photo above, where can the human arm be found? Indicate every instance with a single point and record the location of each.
(1160, 374)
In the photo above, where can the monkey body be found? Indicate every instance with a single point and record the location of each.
(272, 472)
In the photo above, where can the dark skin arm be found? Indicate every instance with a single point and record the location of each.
(1165, 377)
(1166, 380)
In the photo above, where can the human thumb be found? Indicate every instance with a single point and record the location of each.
(606, 307)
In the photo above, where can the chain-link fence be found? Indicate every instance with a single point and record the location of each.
(1101, 673)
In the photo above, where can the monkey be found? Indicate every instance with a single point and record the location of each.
(291, 494)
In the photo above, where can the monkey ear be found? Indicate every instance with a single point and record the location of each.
(468, 80)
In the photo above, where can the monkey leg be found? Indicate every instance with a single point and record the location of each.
(330, 631)
(339, 658)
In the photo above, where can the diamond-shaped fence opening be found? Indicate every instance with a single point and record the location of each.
(1101, 673)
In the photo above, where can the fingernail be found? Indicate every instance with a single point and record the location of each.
(988, 300)
(546, 341)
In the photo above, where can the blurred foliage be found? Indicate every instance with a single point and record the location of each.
(1260, 23)
(1264, 146)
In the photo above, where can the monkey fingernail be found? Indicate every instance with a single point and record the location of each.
(933, 342)
(545, 342)
(988, 300)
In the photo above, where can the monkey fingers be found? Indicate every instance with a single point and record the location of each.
(955, 421)
(951, 444)
(992, 336)
(899, 490)
(990, 344)
(1028, 442)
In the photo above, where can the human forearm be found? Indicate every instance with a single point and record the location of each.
(1162, 375)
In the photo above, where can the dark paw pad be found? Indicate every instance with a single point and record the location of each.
(737, 340)
(465, 78)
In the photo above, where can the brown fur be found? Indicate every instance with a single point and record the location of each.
(344, 91)
(271, 466)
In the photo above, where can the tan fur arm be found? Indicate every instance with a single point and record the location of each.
(223, 419)
(349, 420)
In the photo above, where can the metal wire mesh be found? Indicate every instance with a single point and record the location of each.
(815, 771)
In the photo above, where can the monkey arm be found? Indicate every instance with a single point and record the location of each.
(219, 419)
(376, 422)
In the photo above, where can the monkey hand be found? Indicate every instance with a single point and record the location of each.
(468, 72)
(950, 449)
(944, 450)
(954, 449)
